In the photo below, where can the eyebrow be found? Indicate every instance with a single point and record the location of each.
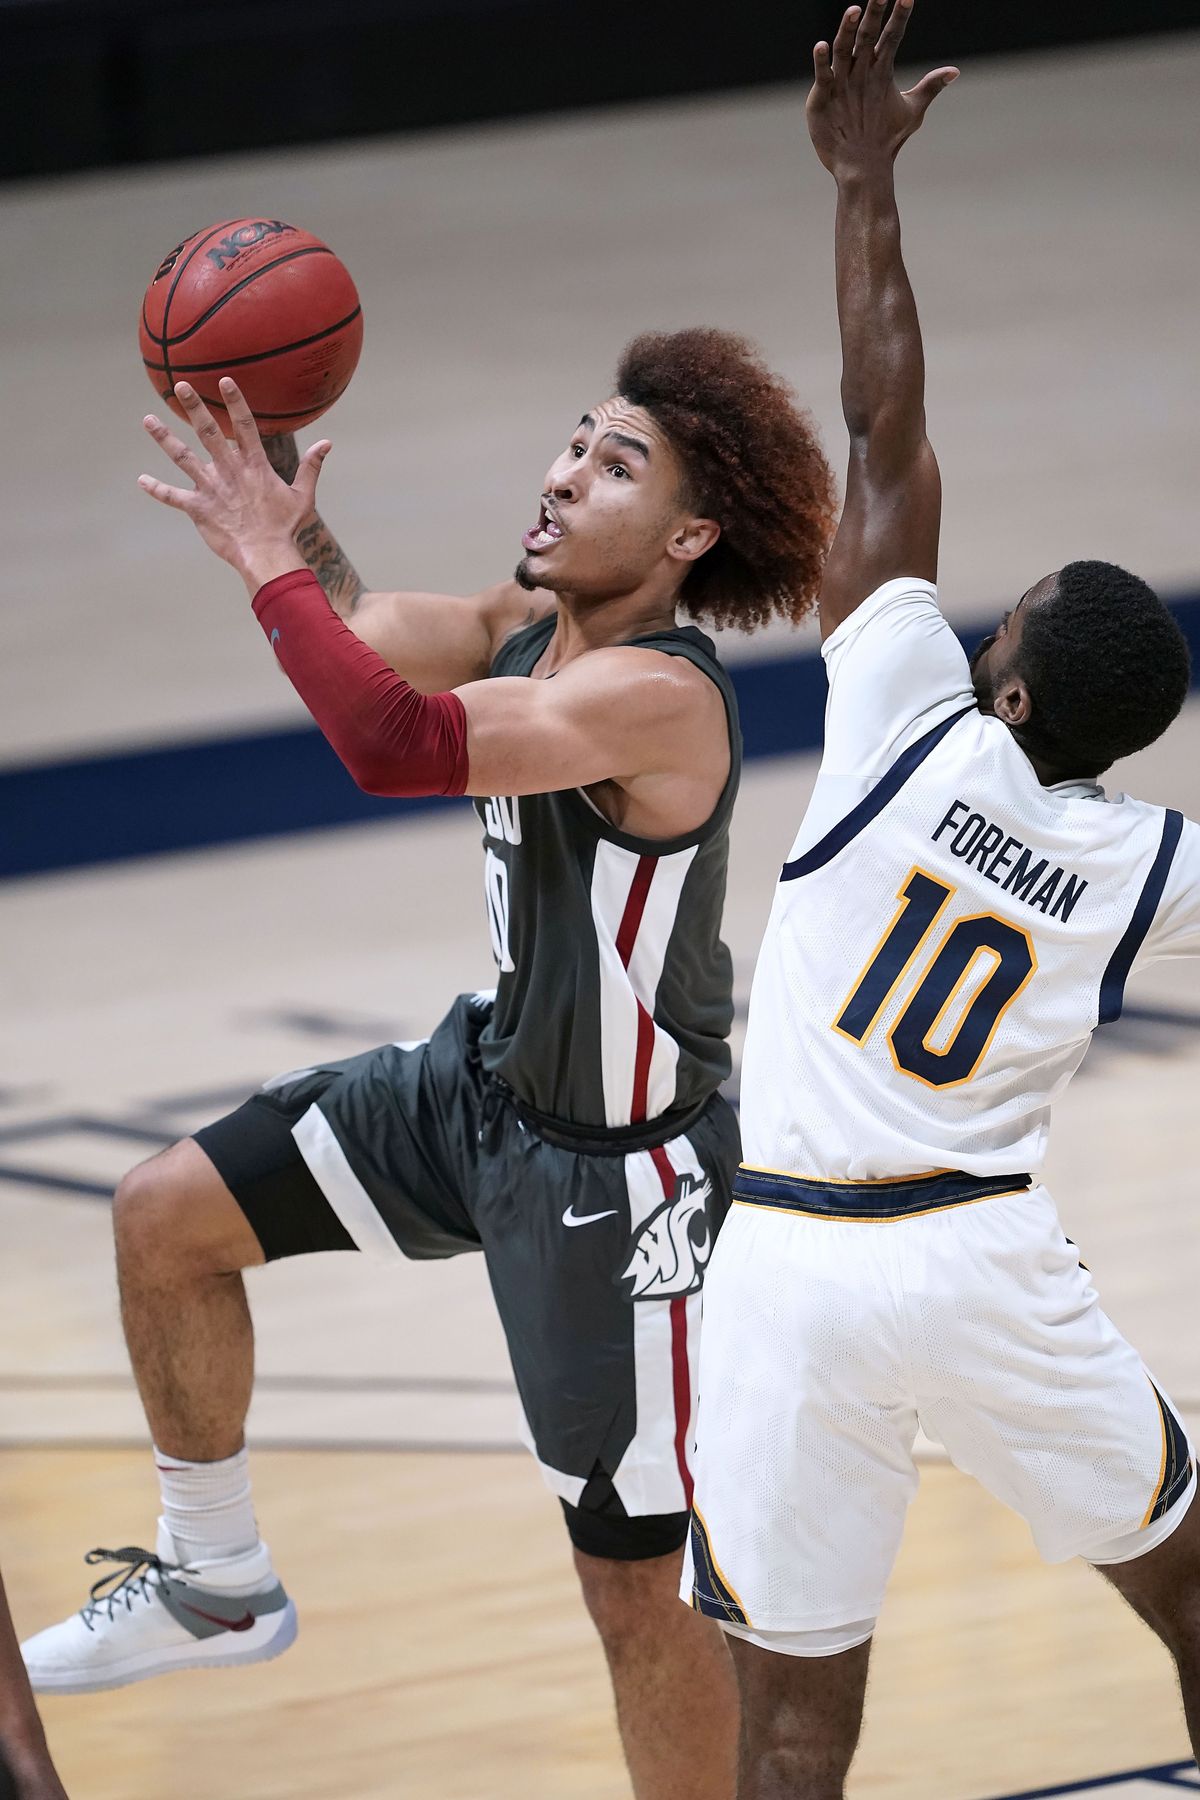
(637, 445)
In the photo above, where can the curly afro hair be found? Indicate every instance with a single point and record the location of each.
(1106, 666)
(752, 461)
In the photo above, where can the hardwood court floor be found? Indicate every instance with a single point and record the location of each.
(444, 1651)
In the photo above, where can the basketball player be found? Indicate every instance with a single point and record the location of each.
(962, 906)
(26, 1772)
(571, 1127)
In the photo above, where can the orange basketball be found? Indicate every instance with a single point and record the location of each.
(261, 301)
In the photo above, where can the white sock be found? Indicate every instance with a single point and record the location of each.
(207, 1506)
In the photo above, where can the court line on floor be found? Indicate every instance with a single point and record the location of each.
(1176, 1776)
(63, 1381)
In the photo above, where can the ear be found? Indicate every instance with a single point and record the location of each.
(1012, 702)
(693, 538)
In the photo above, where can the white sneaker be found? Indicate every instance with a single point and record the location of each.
(153, 1615)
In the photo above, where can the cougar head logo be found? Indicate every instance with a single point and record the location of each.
(673, 1246)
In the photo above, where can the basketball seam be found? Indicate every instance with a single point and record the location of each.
(234, 362)
(292, 255)
(175, 279)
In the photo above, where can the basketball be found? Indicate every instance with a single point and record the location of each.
(263, 302)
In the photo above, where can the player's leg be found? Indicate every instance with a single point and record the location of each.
(1162, 1584)
(672, 1679)
(207, 1592)
(804, 1475)
(1045, 1402)
(801, 1718)
(24, 1756)
(598, 1282)
(607, 1381)
(244, 1192)
(182, 1241)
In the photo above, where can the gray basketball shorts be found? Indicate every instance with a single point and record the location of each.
(596, 1255)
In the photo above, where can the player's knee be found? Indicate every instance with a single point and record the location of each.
(142, 1208)
(173, 1215)
(815, 1770)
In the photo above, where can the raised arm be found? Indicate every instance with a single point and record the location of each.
(858, 120)
(436, 641)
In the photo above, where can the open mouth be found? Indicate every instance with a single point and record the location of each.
(541, 536)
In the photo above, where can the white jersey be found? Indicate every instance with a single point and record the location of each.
(947, 932)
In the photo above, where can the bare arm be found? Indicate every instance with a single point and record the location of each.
(858, 120)
(436, 641)
(650, 723)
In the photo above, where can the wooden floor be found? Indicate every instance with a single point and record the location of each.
(443, 1651)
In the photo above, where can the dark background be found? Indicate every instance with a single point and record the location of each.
(87, 83)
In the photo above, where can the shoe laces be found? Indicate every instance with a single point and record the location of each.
(138, 1574)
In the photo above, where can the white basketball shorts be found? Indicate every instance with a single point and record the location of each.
(827, 1341)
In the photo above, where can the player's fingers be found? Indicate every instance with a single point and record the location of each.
(889, 39)
(182, 499)
(180, 453)
(822, 68)
(304, 482)
(869, 26)
(240, 417)
(199, 418)
(929, 87)
(843, 43)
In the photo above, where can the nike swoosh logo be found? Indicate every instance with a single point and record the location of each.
(274, 637)
(243, 1624)
(569, 1217)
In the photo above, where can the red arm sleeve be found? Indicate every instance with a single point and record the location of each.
(392, 739)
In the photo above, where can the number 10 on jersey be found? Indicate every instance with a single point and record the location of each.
(975, 972)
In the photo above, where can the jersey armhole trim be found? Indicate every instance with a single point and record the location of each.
(872, 804)
(1112, 985)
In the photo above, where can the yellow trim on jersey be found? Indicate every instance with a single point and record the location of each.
(1162, 1461)
(943, 1087)
(846, 1180)
(724, 1579)
(875, 1218)
(861, 1037)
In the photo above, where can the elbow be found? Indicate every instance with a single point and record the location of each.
(370, 772)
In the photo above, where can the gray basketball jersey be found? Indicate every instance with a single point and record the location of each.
(615, 991)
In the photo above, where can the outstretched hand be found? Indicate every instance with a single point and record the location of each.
(239, 505)
(857, 116)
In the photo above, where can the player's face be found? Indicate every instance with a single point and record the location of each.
(997, 656)
(611, 509)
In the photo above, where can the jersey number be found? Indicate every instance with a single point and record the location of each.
(943, 1031)
(495, 889)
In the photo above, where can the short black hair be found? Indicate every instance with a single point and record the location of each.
(1106, 665)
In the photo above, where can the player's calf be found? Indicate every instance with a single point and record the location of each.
(1163, 1588)
(671, 1676)
(801, 1718)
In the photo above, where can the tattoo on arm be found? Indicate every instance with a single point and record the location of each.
(332, 567)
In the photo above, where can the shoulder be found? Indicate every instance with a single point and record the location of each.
(640, 676)
(903, 603)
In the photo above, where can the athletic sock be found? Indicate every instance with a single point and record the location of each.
(207, 1506)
